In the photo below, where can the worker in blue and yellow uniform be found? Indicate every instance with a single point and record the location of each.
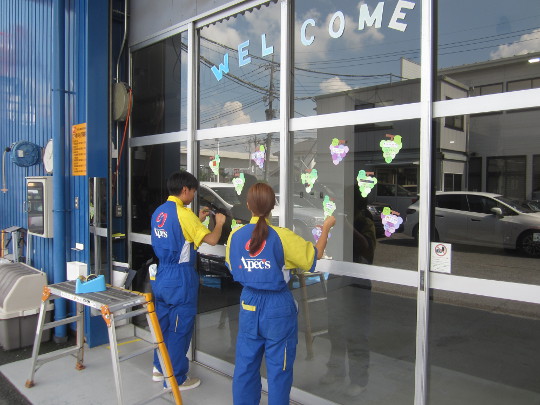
(259, 257)
(176, 233)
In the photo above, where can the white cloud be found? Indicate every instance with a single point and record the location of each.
(334, 85)
(527, 43)
(223, 34)
(352, 40)
(233, 114)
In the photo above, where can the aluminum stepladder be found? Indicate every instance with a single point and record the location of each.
(109, 301)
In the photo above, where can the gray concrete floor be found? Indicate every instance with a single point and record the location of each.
(57, 382)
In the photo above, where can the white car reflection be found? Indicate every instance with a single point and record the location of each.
(481, 219)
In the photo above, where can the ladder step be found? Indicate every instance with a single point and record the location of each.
(44, 358)
(54, 324)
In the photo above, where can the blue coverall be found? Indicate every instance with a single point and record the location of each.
(268, 313)
(175, 231)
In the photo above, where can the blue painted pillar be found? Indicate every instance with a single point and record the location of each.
(59, 175)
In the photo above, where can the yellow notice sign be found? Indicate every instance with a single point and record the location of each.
(78, 150)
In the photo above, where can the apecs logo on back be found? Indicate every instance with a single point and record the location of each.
(258, 264)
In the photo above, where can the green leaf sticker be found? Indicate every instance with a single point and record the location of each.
(308, 179)
(238, 183)
(365, 182)
(234, 224)
(328, 206)
(214, 164)
(391, 147)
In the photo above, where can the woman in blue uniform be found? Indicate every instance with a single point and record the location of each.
(260, 256)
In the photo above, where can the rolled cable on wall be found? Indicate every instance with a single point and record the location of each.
(126, 126)
(4, 185)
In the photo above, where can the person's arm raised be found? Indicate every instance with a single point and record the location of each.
(329, 222)
(213, 237)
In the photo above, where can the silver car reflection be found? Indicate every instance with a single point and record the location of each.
(481, 219)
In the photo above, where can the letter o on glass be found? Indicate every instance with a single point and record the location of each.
(339, 32)
(306, 41)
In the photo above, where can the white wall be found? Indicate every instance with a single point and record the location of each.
(148, 17)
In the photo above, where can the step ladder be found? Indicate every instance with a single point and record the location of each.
(108, 301)
(305, 300)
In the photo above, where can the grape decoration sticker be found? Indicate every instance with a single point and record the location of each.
(365, 182)
(206, 221)
(214, 164)
(238, 183)
(391, 221)
(234, 224)
(308, 179)
(338, 150)
(317, 232)
(259, 156)
(391, 147)
(328, 206)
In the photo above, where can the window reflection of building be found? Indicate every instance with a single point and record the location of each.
(462, 141)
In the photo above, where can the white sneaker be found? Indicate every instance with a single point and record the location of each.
(156, 375)
(191, 382)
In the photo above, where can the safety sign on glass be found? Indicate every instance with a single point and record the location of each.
(441, 257)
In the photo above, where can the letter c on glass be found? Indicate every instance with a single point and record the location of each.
(306, 41)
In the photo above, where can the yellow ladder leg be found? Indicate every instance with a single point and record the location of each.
(163, 353)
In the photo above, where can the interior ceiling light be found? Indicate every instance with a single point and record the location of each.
(534, 60)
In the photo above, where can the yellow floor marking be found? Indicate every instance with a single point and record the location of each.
(125, 343)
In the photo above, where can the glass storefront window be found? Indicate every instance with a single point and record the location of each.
(487, 49)
(150, 168)
(483, 351)
(346, 170)
(160, 87)
(363, 50)
(491, 219)
(228, 167)
(239, 68)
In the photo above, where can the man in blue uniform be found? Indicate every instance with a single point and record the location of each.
(260, 256)
(176, 233)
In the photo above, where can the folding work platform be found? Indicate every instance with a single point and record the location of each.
(108, 302)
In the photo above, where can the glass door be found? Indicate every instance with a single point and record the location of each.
(484, 323)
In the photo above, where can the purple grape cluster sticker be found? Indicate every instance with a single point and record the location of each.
(339, 150)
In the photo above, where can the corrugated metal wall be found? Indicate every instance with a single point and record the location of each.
(26, 63)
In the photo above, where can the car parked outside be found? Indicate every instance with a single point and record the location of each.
(220, 196)
(396, 196)
(481, 219)
(533, 204)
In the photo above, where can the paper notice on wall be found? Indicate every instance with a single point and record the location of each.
(78, 154)
(441, 257)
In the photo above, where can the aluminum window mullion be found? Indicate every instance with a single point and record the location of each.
(426, 118)
(170, 137)
(482, 104)
(192, 102)
(285, 214)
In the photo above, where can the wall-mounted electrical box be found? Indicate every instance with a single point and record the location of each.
(39, 206)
